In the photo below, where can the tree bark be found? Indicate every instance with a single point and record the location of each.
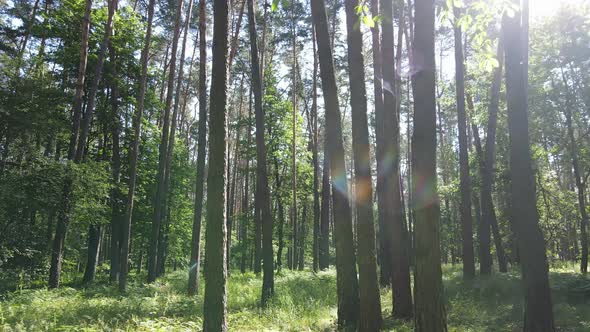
(580, 182)
(393, 224)
(370, 302)
(93, 89)
(324, 245)
(246, 199)
(163, 159)
(538, 315)
(63, 218)
(384, 240)
(116, 193)
(261, 173)
(347, 282)
(214, 306)
(315, 159)
(138, 114)
(464, 177)
(94, 241)
(487, 177)
(193, 282)
(430, 315)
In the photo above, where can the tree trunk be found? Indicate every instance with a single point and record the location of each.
(94, 240)
(384, 240)
(487, 176)
(246, 199)
(324, 245)
(261, 173)
(163, 159)
(116, 193)
(538, 314)
(126, 227)
(78, 95)
(281, 215)
(464, 177)
(347, 282)
(295, 250)
(301, 244)
(428, 289)
(193, 282)
(370, 302)
(315, 159)
(63, 218)
(489, 209)
(580, 183)
(391, 195)
(93, 89)
(214, 306)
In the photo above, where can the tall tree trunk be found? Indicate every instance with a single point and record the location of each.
(257, 229)
(384, 240)
(93, 89)
(246, 199)
(538, 314)
(78, 95)
(580, 183)
(261, 174)
(126, 227)
(428, 289)
(487, 177)
(163, 159)
(324, 245)
(166, 194)
(201, 148)
(315, 159)
(347, 282)
(487, 204)
(393, 224)
(295, 250)
(214, 306)
(370, 301)
(301, 243)
(281, 215)
(464, 177)
(116, 193)
(94, 241)
(63, 218)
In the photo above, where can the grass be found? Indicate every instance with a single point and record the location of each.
(304, 301)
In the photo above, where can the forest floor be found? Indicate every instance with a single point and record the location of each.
(304, 301)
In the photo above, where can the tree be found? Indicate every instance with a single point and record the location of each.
(464, 178)
(580, 183)
(94, 231)
(394, 227)
(430, 312)
(201, 148)
(370, 302)
(384, 241)
(315, 158)
(261, 173)
(65, 209)
(538, 315)
(160, 197)
(487, 158)
(214, 305)
(347, 282)
(137, 119)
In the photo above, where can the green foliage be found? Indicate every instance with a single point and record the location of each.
(304, 301)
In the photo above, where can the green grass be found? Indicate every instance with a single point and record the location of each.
(304, 301)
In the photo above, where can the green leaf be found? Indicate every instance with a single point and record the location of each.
(368, 22)
(275, 5)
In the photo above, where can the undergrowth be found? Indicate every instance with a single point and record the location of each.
(303, 301)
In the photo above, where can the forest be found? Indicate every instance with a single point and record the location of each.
(294, 165)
